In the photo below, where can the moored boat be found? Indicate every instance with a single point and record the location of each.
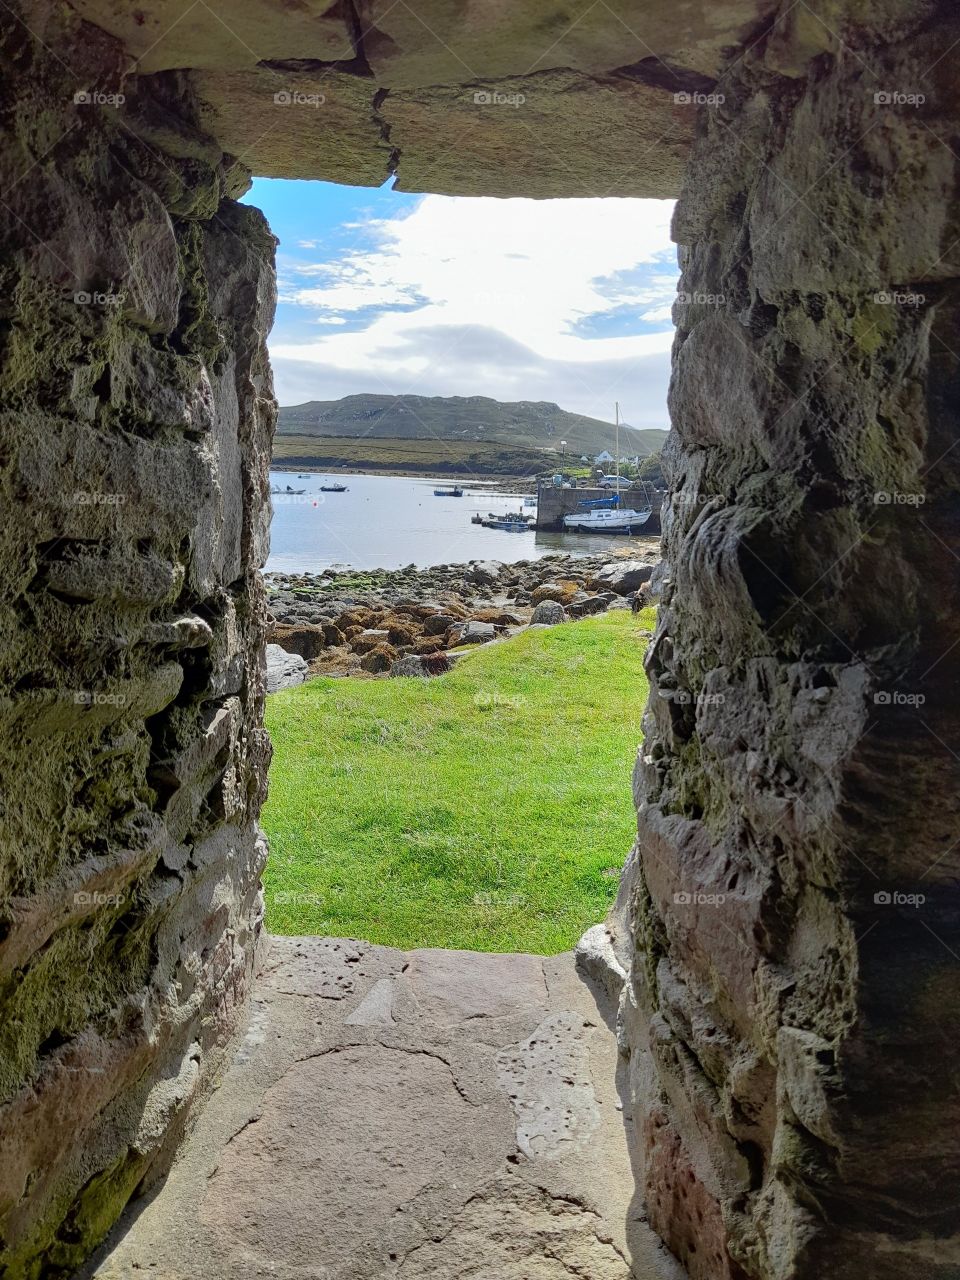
(607, 516)
(455, 492)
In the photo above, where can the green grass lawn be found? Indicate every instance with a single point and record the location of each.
(489, 808)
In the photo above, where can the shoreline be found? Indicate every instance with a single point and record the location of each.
(414, 621)
(495, 480)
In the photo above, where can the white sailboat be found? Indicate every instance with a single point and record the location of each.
(607, 515)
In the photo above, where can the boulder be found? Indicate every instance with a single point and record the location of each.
(401, 631)
(379, 659)
(284, 670)
(561, 592)
(484, 572)
(548, 613)
(621, 576)
(472, 633)
(362, 618)
(438, 623)
(409, 665)
(304, 638)
(548, 591)
(369, 638)
(587, 607)
(499, 617)
(429, 644)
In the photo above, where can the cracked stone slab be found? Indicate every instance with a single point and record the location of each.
(547, 1078)
(345, 1140)
(404, 1116)
(452, 987)
(328, 968)
(515, 1231)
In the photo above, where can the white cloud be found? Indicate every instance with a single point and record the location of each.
(494, 291)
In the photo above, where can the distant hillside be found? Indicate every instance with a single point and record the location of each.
(408, 457)
(535, 424)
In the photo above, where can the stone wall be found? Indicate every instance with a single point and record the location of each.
(792, 1012)
(137, 411)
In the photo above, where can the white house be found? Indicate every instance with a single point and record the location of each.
(605, 456)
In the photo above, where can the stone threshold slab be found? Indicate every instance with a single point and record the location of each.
(423, 1115)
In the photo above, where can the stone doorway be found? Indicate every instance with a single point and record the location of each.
(793, 1056)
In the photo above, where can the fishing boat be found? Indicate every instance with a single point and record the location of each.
(333, 488)
(277, 490)
(455, 492)
(506, 520)
(513, 526)
(529, 500)
(609, 515)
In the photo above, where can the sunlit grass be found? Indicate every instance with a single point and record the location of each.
(487, 809)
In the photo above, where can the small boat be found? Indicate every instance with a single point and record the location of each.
(277, 490)
(529, 499)
(507, 520)
(455, 492)
(333, 488)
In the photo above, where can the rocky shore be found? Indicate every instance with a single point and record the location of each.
(415, 622)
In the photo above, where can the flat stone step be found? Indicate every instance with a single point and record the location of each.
(425, 1115)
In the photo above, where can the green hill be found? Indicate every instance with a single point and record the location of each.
(529, 424)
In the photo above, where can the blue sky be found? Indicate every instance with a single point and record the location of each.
(562, 300)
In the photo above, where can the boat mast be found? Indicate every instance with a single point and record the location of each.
(616, 418)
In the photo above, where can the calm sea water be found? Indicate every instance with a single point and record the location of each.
(386, 522)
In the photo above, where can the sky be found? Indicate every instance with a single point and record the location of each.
(560, 300)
